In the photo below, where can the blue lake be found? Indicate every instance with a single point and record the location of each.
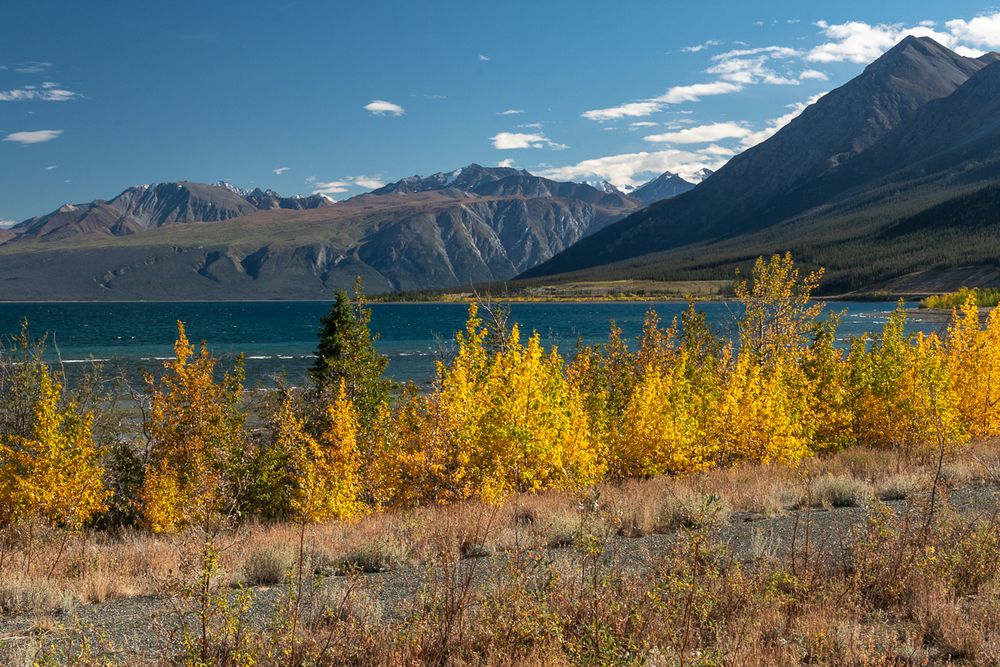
(279, 337)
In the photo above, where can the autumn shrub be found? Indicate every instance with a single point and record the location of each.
(495, 423)
(55, 472)
(197, 428)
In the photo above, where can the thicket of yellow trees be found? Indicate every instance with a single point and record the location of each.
(506, 415)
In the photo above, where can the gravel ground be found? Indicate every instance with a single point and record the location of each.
(142, 626)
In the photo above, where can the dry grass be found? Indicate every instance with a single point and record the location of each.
(98, 567)
(560, 570)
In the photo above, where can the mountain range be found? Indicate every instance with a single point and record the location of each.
(887, 181)
(187, 240)
(891, 182)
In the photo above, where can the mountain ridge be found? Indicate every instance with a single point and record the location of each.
(842, 124)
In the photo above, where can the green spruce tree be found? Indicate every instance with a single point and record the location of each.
(347, 352)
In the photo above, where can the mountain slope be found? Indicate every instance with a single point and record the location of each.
(664, 186)
(145, 207)
(840, 126)
(410, 235)
(918, 211)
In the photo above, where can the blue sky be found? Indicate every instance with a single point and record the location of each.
(340, 96)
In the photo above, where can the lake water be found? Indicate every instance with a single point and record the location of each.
(279, 337)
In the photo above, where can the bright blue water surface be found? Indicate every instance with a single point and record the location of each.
(279, 337)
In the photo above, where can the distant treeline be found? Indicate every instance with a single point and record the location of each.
(983, 297)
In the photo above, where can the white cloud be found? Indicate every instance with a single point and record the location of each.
(367, 182)
(32, 67)
(700, 47)
(982, 31)
(717, 150)
(696, 91)
(505, 141)
(51, 167)
(382, 107)
(49, 92)
(5, 224)
(280, 170)
(35, 137)
(702, 134)
(643, 123)
(860, 42)
(510, 112)
(506, 162)
(483, 58)
(813, 74)
(343, 185)
(636, 168)
(329, 187)
(531, 126)
(747, 66)
(629, 110)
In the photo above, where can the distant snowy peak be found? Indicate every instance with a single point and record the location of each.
(234, 189)
(608, 187)
(664, 186)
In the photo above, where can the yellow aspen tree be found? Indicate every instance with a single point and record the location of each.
(326, 470)
(974, 363)
(757, 419)
(824, 386)
(903, 392)
(778, 312)
(198, 436)
(55, 473)
(659, 432)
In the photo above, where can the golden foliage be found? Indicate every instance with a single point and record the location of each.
(325, 470)
(496, 423)
(56, 472)
(197, 430)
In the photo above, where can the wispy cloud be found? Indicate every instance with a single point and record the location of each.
(506, 162)
(343, 185)
(505, 141)
(813, 74)
(483, 58)
(748, 66)
(6, 224)
(697, 91)
(636, 168)
(33, 137)
(383, 107)
(702, 134)
(628, 110)
(367, 182)
(280, 170)
(32, 67)
(510, 112)
(329, 187)
(674, 95)
(47, 92)
(700, 47)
